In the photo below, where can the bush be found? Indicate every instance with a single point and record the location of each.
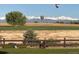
(7, 46)
(29, 36)
(22, 46)
(36, 22)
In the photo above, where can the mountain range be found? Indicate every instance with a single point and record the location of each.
(47, 19)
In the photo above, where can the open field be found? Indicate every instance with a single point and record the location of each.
(39, 27)
(41, 24)
(42, 29)
(40, 51)
(41, 34)
(49, 24)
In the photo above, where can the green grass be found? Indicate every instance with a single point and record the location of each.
(41, 51)
(40, 28)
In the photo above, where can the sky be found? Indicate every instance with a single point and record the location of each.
(69, 10)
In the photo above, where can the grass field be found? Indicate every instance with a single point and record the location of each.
(41, 51)
(39, 28)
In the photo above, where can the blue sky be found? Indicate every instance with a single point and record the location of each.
(71, 10)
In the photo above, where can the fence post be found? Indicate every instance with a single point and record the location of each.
(3, 42)
(64, 42)
(24, 41)
(0, 41)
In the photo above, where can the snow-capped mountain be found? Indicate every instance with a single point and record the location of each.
(47, 19)
(2, 20)
(66, 18)
(61, 19)
(53, 18)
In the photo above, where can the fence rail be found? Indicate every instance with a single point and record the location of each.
(41, 40)
(44, 42)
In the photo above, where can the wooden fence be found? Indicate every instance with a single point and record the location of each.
(45, 43)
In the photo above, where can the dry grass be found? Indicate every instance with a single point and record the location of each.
(5, 24)
(49, 24)
(42, 34)
(41, 24)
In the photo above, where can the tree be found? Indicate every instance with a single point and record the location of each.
(42, 17)
(15, 18)
(29, 35)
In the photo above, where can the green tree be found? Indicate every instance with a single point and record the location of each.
(42, 17)
(29, 35)
(15, 18)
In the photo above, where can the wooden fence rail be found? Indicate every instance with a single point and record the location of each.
(45, 42)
